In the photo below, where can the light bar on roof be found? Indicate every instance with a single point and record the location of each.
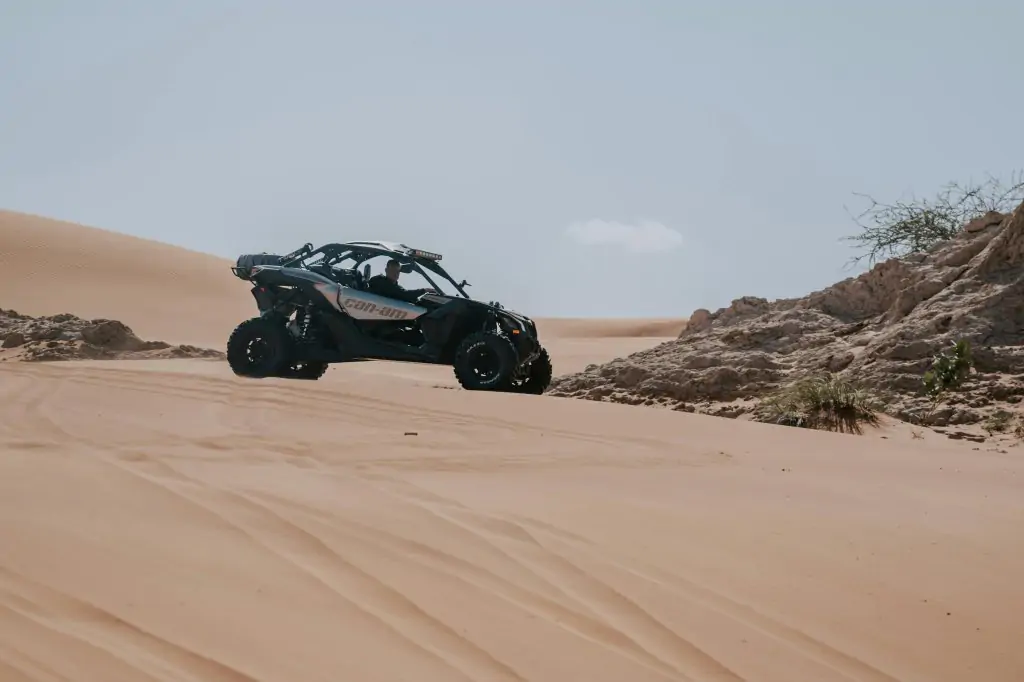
(419, 253)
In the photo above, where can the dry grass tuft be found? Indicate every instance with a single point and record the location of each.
(826, 402)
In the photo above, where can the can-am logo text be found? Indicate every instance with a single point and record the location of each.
(374, 309)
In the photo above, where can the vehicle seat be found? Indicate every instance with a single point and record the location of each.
(324, 270)
(347, 278)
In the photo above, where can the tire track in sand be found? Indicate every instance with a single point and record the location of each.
(813, 649)
(360, 590)
(594, 630)
(378, 597)
(471, 537)
(489, 526)
(578, 621)
(27, 665)
(650, 635)
(172, 484)
(82, 620)
(22, 399)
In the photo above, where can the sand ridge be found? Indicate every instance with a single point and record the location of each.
(162, 292)
(165, 520)
(576, 328)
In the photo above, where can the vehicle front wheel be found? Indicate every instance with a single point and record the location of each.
(259, 347)
(484, 361)
(309, 371)
(535, 378)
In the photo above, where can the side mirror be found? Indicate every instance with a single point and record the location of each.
(465, 284)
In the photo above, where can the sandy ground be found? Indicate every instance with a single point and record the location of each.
(165, 520)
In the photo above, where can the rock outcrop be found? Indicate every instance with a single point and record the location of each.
(880, 329)
(66, 337)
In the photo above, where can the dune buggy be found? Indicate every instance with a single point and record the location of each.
(316, 308)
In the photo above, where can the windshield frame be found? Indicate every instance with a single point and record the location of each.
(360, 253)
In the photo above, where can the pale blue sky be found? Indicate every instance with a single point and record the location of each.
(483, 130)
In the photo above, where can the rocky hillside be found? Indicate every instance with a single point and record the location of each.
(66, 337)
(880, 329)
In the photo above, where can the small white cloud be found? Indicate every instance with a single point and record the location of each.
(641, 237)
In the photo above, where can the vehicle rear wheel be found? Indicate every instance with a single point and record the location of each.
(259, 347)
(536, 378)
(484, 361)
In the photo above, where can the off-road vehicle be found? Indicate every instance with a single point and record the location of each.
(316, 309)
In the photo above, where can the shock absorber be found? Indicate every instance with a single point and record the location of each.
(305, 327)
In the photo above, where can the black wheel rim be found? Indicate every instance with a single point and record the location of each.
(485, 364)
(256, 351)
(521, 376)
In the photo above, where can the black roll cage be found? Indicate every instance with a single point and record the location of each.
(361, 252)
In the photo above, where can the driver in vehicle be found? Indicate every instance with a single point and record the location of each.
(387, 284)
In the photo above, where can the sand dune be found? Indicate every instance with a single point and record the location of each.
(162, 292)
(570, 328)
(165, 520)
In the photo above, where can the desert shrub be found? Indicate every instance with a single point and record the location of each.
(948, 370)
(826, 402)
(908, 226)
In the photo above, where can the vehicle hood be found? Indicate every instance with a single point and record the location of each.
(496, 309)
(525, 322)
(500, 310)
